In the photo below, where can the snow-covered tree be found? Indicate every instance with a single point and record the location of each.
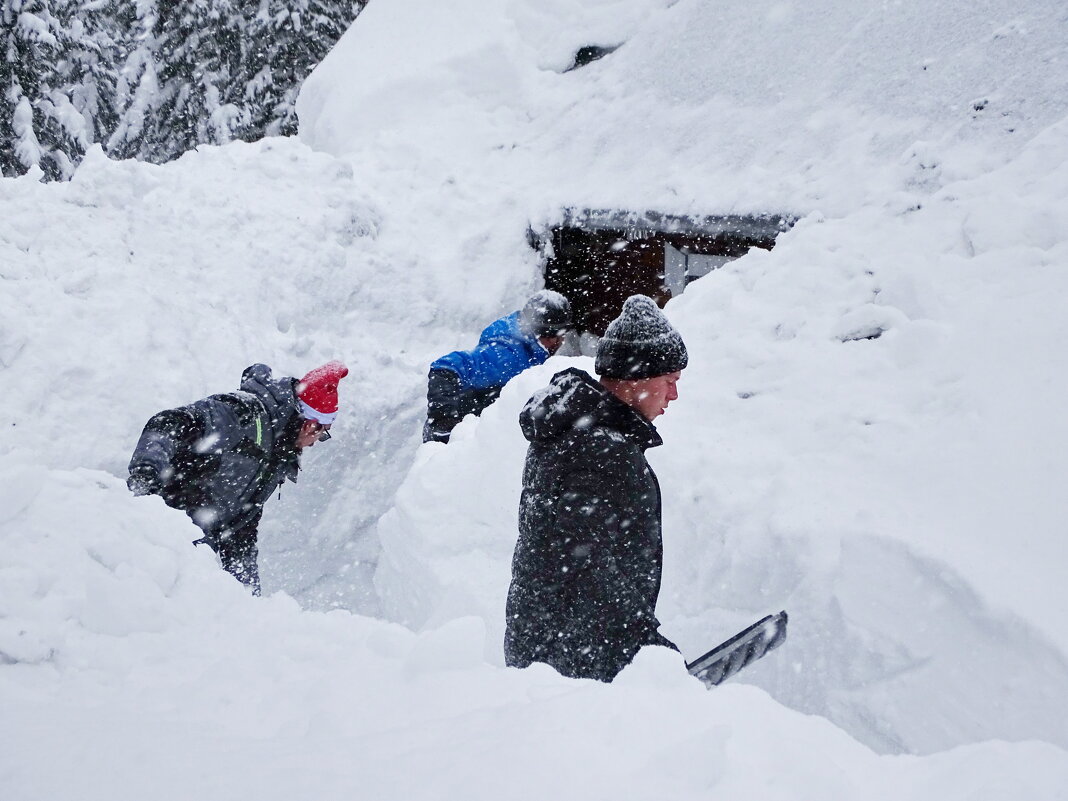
(39, 126)
(174, 84)
(152, 79)
(284, 41)
(137, 84)
(92, 46)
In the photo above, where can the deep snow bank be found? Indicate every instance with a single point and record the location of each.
(130, 666)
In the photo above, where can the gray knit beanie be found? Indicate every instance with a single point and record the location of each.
(546, 314)
(640, 343)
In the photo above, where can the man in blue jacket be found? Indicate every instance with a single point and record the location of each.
(467, 381)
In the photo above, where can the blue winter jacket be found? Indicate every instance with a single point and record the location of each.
(504, 351)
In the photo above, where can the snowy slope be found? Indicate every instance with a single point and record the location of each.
(900, 496)
(132, 668)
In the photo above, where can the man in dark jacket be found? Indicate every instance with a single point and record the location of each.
(587, 565)
(467, 381)
(219, 459)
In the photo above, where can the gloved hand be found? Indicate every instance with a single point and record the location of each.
(143, 480)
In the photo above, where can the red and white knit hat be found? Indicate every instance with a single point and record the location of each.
(317, 392)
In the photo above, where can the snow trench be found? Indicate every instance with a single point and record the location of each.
(894, 647)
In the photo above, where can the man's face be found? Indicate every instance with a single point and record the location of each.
(652, 395)
(312, 431)
(552, 342)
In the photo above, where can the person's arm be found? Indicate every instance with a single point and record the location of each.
(164, 436)
(493, 363)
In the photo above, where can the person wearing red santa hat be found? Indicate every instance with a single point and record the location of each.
(219, 459)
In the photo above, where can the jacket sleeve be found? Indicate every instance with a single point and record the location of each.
(165, 436)
(587, 526)
(493, 363)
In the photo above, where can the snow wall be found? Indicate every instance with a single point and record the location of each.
(899, 494)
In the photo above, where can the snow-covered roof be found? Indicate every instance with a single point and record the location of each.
(703, 108)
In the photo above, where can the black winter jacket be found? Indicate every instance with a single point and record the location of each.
(219, 459)
(587, 565)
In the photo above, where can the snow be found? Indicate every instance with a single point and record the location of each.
(28, 148)
(900, 496)
(153, 673)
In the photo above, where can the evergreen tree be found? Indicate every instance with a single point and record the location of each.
(153, 78)
(137, 83)
(285, 40)
(176, 79)
(39, 126)
(91, 48)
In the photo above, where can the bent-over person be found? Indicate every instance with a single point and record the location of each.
(219, 459)
(467, 381)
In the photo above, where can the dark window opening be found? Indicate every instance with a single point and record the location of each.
(589, 54)
(598, 259)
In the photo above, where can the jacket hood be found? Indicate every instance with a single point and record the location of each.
(279, 398)
(575, 401)
(277, 394)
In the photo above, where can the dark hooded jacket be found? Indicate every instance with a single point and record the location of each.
(587, 565)
(219, 459)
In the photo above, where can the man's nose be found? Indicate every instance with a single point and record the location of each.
(673, 393)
